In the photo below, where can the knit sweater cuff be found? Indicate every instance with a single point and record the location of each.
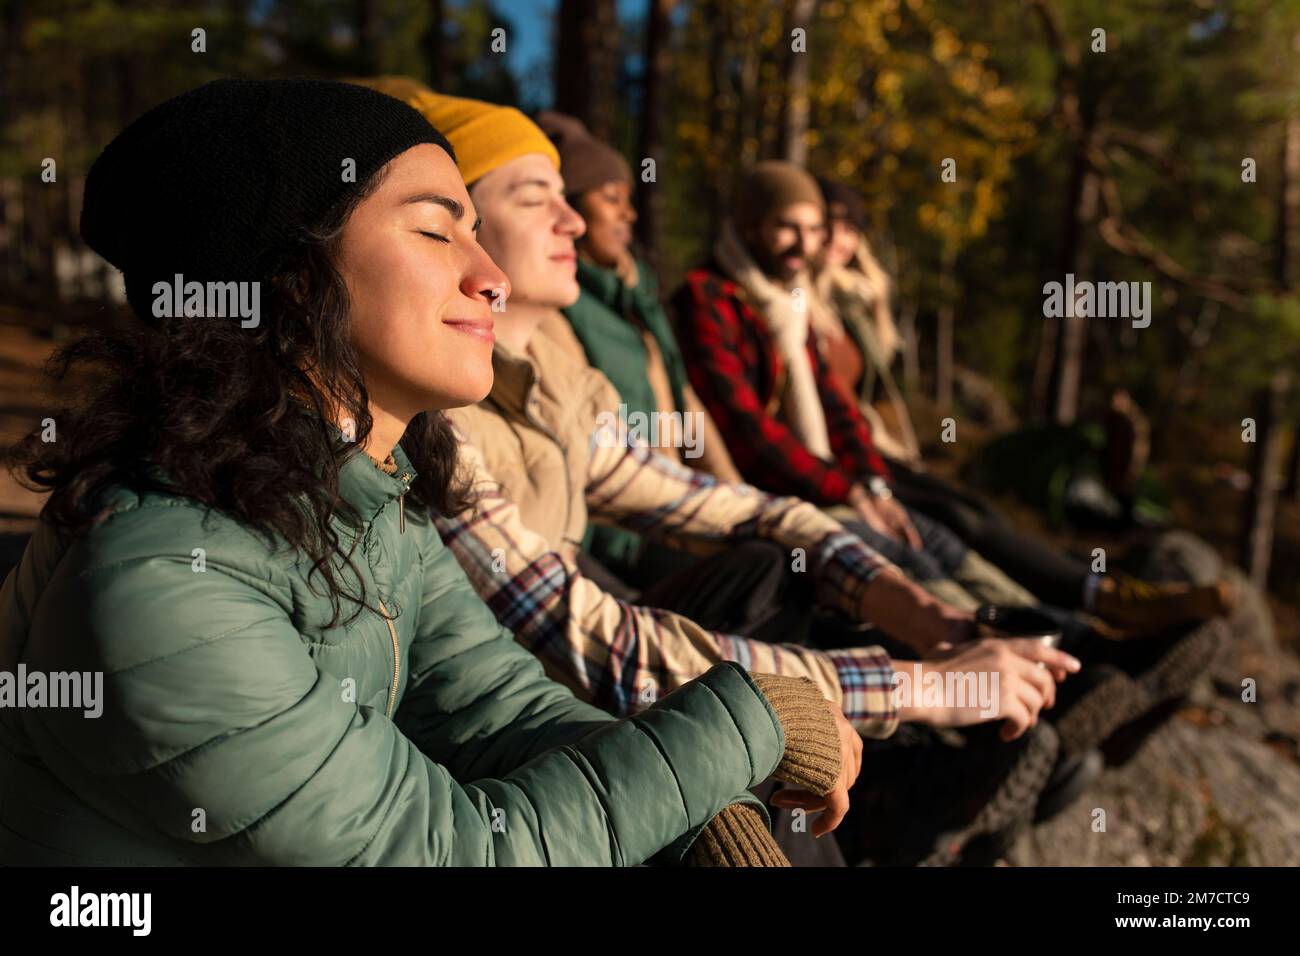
(812, 741)
(737, 836)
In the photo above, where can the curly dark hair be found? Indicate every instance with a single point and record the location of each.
(217, 408)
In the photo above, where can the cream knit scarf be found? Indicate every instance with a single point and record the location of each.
(863, 282)
(788, 318)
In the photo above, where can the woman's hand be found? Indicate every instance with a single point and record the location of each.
(835, 804)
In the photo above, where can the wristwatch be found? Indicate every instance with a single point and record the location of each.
(879, 488)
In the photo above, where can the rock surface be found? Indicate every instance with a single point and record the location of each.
(1219, 784)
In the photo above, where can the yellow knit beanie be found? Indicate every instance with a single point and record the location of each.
(483, 135)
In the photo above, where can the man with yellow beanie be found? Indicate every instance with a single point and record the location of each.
(485, 135)
(543, 433)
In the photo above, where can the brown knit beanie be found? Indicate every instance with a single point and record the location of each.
(774, 184)
(585, 161)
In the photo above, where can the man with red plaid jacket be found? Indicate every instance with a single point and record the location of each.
(748, 327)
(733, 360)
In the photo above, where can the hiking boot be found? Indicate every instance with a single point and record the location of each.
(1072, 775)
(1094, 703)
(1160, 671)
(925, 794)
(1134, 605)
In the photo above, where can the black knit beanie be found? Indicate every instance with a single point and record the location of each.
(218, 184)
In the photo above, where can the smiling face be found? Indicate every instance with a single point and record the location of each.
(787, 239)
(843, 243)
(530, 230)
(420, 288)
(609, 215)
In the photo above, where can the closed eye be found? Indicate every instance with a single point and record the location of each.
(433, 235)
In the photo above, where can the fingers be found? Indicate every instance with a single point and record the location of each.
(901, 530)
(882, 522)
(837, 806)
(797, 797)
(1032, 689)
(891, 531)
(1039, 679)
(798, 800)
(1031, 699)
(1034, 650)
(833, 807)
(913, 536)
(1016, 719)
(867, 513)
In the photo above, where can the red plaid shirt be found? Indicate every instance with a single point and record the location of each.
(735, 368)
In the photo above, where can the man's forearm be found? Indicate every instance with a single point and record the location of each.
(906, 612)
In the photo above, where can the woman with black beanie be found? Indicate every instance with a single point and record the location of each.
(276, 659)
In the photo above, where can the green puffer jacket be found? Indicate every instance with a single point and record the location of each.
(237, 728)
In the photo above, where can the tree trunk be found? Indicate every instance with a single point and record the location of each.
(1288, 205)
(943, 366)
(1292, 487)
(658, 59)
(11, 248)
(1261, 503)
(1075, 259)
(435, 46)
(366, 26)
(1040, 384)
(749, 106)
(38, 233)
(586, 63)
(795, 127)
(719, 95)
(911, 353)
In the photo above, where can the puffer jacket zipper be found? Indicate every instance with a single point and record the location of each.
(397, 658)
(392, 631)
(404, 477)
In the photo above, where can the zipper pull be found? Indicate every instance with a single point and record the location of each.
(401, 506)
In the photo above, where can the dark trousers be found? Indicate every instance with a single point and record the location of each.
(1052, 575)
(940, 555)
(748, 589)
